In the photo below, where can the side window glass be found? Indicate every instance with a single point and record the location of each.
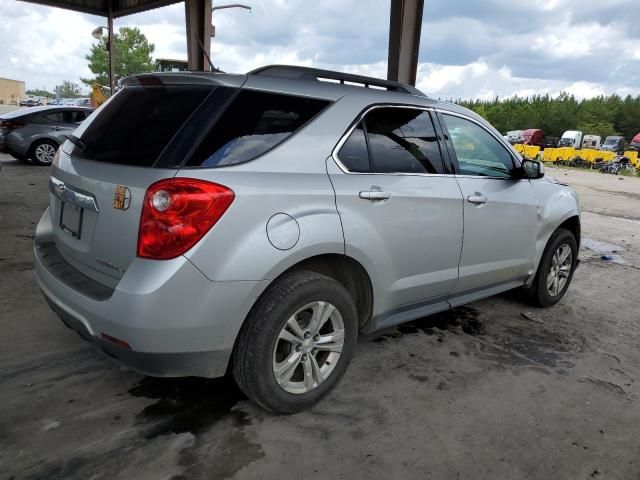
(54, 117)
(478, 152)
(403, 140)
(254, 123)
(354, 154)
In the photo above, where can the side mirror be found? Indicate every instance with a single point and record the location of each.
(532, 169)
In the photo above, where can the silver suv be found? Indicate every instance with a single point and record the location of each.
(201, 224)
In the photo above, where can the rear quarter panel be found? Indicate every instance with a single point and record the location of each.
(290, 179)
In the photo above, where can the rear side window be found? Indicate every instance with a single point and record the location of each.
(403, 140)
(354, 154)
(135, 126)
(254, 123)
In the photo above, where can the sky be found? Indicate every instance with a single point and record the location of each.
(469, 48)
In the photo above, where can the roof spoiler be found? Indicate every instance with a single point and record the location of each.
(316, 74)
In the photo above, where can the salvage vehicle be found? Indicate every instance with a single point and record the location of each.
(257, 224)
(514, 136)
(591, 142)
(571, 138)
(36, 133)
(614, 143)
(532, 136)
(635, 143)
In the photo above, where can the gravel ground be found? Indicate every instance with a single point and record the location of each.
(481, 392)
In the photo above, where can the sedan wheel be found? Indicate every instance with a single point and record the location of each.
(44, 152)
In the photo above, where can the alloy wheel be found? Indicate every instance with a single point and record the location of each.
(561, 264)
(45, 153)
(308, 347)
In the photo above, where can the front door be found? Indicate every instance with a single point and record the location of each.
(402, 217)
(500, 212)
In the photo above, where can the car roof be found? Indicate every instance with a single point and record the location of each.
(46, 108)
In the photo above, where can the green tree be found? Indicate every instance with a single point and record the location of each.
(40, 92)
(599, 116)
(132, 55)
(68, 89)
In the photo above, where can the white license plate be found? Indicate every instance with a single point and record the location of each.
(71, 220)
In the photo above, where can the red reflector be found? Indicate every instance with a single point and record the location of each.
(177, 213)
(117, 341)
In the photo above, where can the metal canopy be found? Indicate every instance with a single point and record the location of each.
(404, 28)
(119, 8)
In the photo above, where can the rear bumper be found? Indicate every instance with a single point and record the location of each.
(175, 321)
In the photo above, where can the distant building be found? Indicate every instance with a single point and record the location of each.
(11, 91)
(170, 65)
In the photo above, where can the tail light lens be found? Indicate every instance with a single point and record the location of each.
(177, 213)
(9, 125)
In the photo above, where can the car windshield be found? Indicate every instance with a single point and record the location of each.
(565, 141)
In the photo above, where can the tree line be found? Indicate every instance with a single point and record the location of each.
(603, 115)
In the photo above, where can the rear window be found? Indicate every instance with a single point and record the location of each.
(254, 123)
(136, 125)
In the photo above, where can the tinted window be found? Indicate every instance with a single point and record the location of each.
(403, 140)
(53, 117)
(135, 126)
(254, 123)
(478, 152)
(354, 154)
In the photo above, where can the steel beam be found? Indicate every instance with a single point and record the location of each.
(198, 21)
(405, 23)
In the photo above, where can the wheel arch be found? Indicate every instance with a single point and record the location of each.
(345, 270)
(40, 139)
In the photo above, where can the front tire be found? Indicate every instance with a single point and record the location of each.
(43, 151)
(296, 342)
(555, 271)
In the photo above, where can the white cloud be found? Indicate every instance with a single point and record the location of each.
(469, 49)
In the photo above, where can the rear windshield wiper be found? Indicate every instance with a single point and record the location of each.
(81, 144)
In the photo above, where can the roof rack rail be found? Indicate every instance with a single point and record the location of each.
(317, 74)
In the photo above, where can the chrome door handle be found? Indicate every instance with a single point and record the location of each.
(374, 195)
(477, 199)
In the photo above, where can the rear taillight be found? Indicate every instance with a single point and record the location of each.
(9, 125)
(177, 213)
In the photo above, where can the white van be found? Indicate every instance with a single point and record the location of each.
(571, 138)
(591, 141)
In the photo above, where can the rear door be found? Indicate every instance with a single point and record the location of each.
(401, 213)
(99, 182)
(500, 212)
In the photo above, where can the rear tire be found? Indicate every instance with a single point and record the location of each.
(282, 354)
(555, 271)
(43, 151)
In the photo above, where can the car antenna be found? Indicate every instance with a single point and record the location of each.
(205, 53)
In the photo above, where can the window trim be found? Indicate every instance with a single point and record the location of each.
(448, 158)
(360, 118)
(454, 156)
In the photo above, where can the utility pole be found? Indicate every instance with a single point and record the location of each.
(222, 7)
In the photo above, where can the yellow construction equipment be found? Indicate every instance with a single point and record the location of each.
(97, 96)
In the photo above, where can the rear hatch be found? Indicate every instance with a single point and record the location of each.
(138, 137)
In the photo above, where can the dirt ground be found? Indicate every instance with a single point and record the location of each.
(478, 393)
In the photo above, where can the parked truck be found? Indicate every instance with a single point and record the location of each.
(571, 138)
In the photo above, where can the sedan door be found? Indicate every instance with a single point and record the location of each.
(401, 214)
(500, 211)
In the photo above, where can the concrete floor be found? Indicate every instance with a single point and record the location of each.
(479, 393)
